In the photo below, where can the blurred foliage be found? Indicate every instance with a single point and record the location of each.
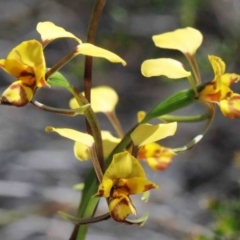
(227, 219)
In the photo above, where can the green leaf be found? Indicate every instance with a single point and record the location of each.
(175, 102)
(58, 80)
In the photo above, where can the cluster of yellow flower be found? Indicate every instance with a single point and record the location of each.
(125, 175)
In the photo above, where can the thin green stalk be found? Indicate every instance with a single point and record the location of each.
(66, 112)
(96, 164)
(211, 112)
(93, 122)
(87, 208)
(193, 85)
(60, 64)
(92, 29)
(112, 117)
(193, 63)
(184, 119)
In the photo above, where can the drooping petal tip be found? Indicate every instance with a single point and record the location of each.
(74, 135)
(94, 51)
(49, 31)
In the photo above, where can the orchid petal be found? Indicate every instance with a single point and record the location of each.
(187, 40)
(17, 94)
(136, 185)
(218, 66)
(124, 165)
(26, 59)
(121, 207)
(49, 31)
(146, 133)
(231, 107)
(230, 78)
(81, 151)
(157, 157)
(76, 136)
(109, 142)
(94, 51)
(164, 66)
(103, 99)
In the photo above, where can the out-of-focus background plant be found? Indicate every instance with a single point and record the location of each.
(38, 170)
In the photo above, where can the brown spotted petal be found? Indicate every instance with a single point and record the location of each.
(158, 157)
(230, 107)
(17, 94)
(121, 207)
(135, 185)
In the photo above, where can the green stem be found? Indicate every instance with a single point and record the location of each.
(80, 221)
(211, 115)
(112, 117)
(92, 29)
(96, 164)
(193, 85)
(60, 64)
(66, 112)
(85, 207)
(185, 119)
(93, 122)
(193, 63)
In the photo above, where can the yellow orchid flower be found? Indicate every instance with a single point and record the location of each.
(25, 62)
(124, 177)
(49, 31)
(218, 90)
(146, 135)
(186, 40)
(158, 157)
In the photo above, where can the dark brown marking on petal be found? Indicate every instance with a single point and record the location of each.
(43, 82)
(100, 193)
(233, 80)
(26, 74)
(148, 187)
(117, 208)
(23, 100)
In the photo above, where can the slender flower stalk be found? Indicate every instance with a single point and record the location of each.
(92, 29)
(185, 119)
(93, 123)
(193, 85)
(80, 233)
(112, 117)
(193, 63)
(60, 64)
(211, 113)
(66, 112)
